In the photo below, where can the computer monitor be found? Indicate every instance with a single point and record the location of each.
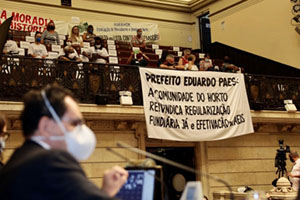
(140, 184)
(192, 191)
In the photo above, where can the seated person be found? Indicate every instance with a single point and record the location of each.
(191, 63)
(229, 67)
(10, 47)
(69, 54)
(138, 40)
(50, 36)
(169, 63)
(36, 49)
(99, 53)
(76, 39)
(140, 60)
(89, 36)
(206, 63)
(86, 55)
(184, 59)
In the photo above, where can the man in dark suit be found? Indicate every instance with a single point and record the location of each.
(46, 166)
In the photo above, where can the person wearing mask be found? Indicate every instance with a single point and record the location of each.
(99, 53)
(206, 63)
(89, 36)
(76, 39)
(36, 49)
(46, 166)
(138, 40)
(3, 137)
(69, 54)
(294, 175)
(228, 66)
(10, 47)
(191, 63)
(50, 36)
(169, 63)
(140, 60)
(184, 59)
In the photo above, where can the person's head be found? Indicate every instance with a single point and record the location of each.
(3, 134)
(51, 26)
(170, 59)
(192, 58)
(53, 116)
(293, 155)
(38, 37)
(139, 32)
(226, 59)
(75, 31)
(69, 50)
(98, 42)
(90, 29)
(186, 53)
(207, 56)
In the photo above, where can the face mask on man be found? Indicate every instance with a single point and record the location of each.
(139, 33)
(91, 30)
(81, 141)
(98, 46)
(38, 39)
(51, 27)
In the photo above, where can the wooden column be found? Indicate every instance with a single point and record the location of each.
(140, 134)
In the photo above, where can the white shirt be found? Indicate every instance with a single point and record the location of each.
(11, 46)
(194, 67)
(295, 172)
(205, 64)
(38, 49)
(103, 52)
(40, 142)
(76, 40)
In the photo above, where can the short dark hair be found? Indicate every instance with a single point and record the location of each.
(48, 25)
(90, 26)
(35, 108)
(97, 38)
(37, 33)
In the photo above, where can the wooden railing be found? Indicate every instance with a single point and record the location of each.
(87, 80)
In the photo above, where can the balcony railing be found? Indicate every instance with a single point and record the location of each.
(87, 80)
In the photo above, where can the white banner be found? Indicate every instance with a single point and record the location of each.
(195, 106)
(25, 22)
(124, 31)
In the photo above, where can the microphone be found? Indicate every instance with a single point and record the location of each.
(170, 162)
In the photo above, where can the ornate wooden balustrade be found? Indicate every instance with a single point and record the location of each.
(86, 80)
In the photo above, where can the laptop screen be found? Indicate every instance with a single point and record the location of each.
(139, 185)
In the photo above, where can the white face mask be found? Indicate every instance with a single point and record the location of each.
(81, 141)
(98, 46)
